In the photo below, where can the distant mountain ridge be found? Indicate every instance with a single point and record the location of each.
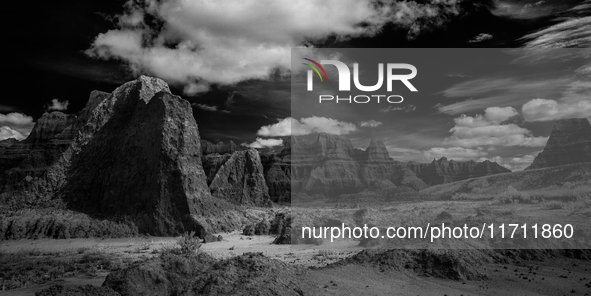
(446, 171)
(330, 165)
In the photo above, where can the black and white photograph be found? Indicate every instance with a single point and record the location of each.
(307, 147)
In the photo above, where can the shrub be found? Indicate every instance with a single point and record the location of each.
(512, 195)
(189, 243)
(555, 205)
(460, 196)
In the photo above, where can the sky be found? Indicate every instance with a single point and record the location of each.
(495, 104)
(232, 61)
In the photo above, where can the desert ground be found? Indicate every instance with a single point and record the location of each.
(342, 267)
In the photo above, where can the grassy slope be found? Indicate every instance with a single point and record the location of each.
(550, 182)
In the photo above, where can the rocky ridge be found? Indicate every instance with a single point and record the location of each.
(133, 154)
(569, 142)
(238, 178)
(442, 170)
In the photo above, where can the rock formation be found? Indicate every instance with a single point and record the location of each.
(139, 156)
(21, 161)
(446, 171)
(277, 170)
(331, 166)
(238, 178)
(134, 154)
(569, 142)
(24, 164)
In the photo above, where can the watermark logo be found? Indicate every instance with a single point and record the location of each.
(344, 81)
(345, 75)
(314, 68)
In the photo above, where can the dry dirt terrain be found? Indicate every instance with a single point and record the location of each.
(339, 268)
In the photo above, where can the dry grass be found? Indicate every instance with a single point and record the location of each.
(34, 267)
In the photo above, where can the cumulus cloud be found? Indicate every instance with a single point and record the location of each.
(406, 109)
(291, 126)
(196, 43)
(57, 105)
(15, 119)
(370, 123)
(488, 130)
(546, 110)
(481, 37)
(7, 133)
(264, 143)
(18, 122)
(455, 153)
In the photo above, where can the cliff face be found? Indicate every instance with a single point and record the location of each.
(446, 171)
(139, 156)
(239, 178)
(133, 154)
(277, 170)
(30, 158)
(24, 164)
(569, 142)
(331, 166)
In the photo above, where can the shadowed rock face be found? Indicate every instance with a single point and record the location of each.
(24, 165)
(238, 178)
(569, 142)
(22, 161)
(139, 156)
(277, 168)
(212, 163)
(446, 171)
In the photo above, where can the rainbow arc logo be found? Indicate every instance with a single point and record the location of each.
(315, 69)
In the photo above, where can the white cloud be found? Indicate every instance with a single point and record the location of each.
(264, 143)
(547, 110)
(201, 42)
(407, 109)
(455, 153)
(405, 154)
(17, 121)
(492, 116)
(57, 105)
(206, 107)
(498, 91)
(572, 32)
(370, 123)
(488, 130)
(291, 126)
(481, 37)
(6, 133)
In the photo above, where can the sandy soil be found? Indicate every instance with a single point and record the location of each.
(553, 277)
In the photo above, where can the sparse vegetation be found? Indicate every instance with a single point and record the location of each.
(60, 224)
(33, 267)
(189, 243)
(555, 205)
